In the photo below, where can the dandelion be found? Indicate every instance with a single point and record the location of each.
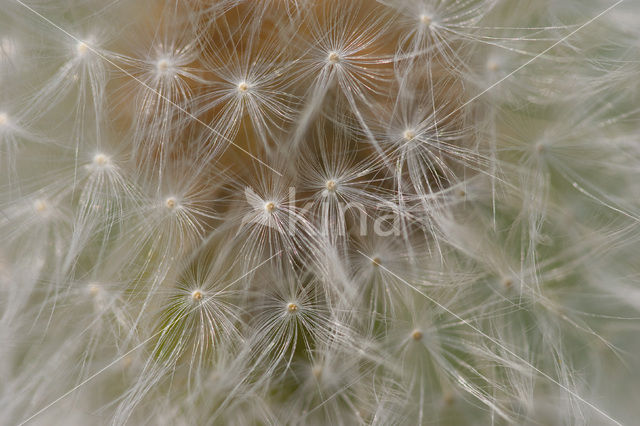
(319, 212)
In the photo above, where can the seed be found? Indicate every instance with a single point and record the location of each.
(171, 203)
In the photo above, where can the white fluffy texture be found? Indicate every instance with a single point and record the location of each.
(319, 212)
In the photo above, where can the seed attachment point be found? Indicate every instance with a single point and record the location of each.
(101, 160)
(507, 282)
(243, 87)
(171, 203)
(416, 335)
(333, 57)
(81, 48)
(426, 19)
(163, 65)
(94, 289)
(197, 295)
(316, 371)
(409, 134)
(40, 206)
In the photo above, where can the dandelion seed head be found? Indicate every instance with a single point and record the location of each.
(350, 114)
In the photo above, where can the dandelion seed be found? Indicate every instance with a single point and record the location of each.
(270, 206)
(81, 48)
(243, 87)
(164, 65)
(40, 206)
(4, 118)
(507, 283)
(492, 65)
(292, 308)
(416, 335)
(7, 47)
(409, 135)
(333, 57)
(94, 289)
(316, 371)
(196, 295)
(126, 362)
(331, 185)
(250, 88)
(101, 160)
(449, 398)
(171, 203)
(426, 20)
(376, 261)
